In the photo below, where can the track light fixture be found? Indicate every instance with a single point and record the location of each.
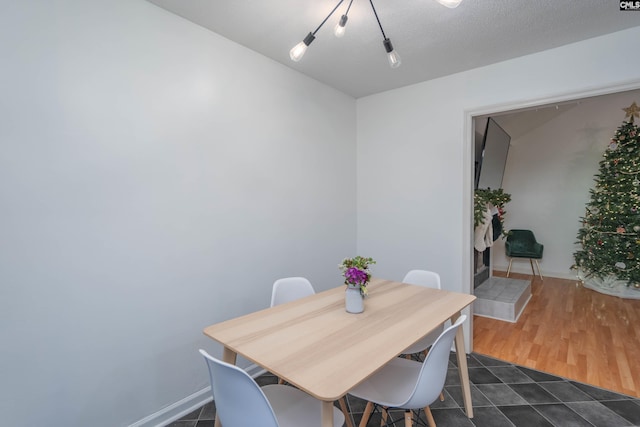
(298, 51)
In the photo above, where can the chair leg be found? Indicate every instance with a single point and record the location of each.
(408, 418)
(345, 411)
(441, 397)
(427, 412)
(280, 381)
(532, 270)
(366, 414)
(539, 272)
(509, 269)
(383, 418)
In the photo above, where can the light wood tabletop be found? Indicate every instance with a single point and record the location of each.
(314, 344)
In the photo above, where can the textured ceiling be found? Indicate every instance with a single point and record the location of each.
(432, 40)
(520, 122)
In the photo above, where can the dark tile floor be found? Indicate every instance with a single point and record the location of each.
(503, 395)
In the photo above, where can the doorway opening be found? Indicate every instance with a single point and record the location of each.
(527, 116)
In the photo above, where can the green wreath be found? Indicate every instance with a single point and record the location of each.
(497, 198)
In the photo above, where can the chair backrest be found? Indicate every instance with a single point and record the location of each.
(521, 235)
(424, 278)
(522, 242)
(290, 289)
(239, 400)
(434, 369)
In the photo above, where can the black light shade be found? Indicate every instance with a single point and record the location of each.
(307, 40)
(387, 45)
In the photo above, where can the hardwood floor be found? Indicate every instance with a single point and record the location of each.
(570, 331)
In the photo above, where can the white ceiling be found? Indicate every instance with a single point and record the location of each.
(432, 40)
(520, 122)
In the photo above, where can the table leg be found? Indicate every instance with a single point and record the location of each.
(228, 356)
(327, 414)
(461, 354)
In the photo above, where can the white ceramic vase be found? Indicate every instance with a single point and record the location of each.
(353, 300)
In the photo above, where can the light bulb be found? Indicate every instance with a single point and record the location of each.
(392, 55)
(450, 3)
(341, 26)
(297, 52)
(394, 59)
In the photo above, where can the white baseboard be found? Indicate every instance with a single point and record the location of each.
(177, 410)
(187, 405)
(255, 370)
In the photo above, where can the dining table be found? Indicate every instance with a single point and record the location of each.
(314, 344)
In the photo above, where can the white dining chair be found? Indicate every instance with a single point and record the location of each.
(290, 289)
(241, 402)
(427, 279)
(409, 384)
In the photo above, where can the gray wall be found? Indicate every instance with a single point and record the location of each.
(148, 190)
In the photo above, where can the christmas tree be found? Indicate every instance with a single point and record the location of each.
(610, 233)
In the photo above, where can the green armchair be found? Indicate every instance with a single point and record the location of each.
(523, 244)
